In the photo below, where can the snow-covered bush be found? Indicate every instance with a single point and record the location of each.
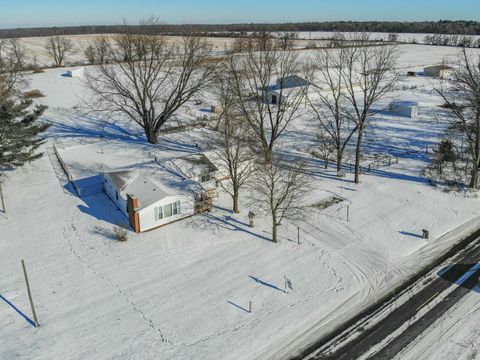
(121, 232)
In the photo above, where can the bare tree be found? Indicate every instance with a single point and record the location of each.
(250, 78)
(96, 51)
(232, 149)
(150, 79)
(58, 48)
(368, 76)
(12, 63)
(462, 99)
(324, 147)
(286, 40)
(280, 191)
(331, 111)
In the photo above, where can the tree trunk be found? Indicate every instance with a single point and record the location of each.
(268, 155)
(474, 178)
(274, 229)
(339, 160)
(152, 136)
(358, 153)
(235, 201)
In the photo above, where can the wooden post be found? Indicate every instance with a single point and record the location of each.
(348, 213)
(30, 295)
(2, 199)
(250, 307)
(298, 235)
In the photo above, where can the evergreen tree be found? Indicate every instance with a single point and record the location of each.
(20, 132)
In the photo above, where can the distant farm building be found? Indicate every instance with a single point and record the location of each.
(145, 201)
(404, 108)
(438, 71)
(78, 72)
(284, 87)
(291, 81)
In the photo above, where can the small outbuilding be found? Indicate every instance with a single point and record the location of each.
(197, 167)
(438, 71)
(77, 73)
(404, 108)
(146, 202)
(291, 81)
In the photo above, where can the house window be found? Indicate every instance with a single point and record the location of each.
(205, 178)
(176, 208)
(159, 213)
(167, 210)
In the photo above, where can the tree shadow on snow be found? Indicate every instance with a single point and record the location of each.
(226, 223)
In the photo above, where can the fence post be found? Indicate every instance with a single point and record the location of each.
(30, 295)
(2, 199)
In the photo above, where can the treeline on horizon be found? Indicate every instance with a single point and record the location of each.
(432, 27)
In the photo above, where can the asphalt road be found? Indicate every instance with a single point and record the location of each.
(464, 262)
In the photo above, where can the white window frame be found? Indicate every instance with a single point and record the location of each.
(176, 209)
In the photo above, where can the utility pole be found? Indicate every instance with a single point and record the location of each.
(30, 295)
(298, 235)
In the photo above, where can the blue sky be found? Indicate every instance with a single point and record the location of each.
(20, 13)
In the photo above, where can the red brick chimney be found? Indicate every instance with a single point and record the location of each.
(132, 207)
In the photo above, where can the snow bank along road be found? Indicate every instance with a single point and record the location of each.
(391, 327)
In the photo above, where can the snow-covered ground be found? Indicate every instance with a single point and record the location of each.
(182, 291)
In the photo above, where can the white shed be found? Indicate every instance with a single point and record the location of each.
(147, 203)
(404, 108)
(438, 71)
(78, 72)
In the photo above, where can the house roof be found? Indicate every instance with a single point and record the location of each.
(439, 67)
(134, 183)
(403, 103)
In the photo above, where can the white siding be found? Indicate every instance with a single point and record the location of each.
(147, 216)
(111, 191)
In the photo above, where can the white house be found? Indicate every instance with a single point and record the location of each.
(78, 72)
(438, 71)
(147, 202)
(404, 108)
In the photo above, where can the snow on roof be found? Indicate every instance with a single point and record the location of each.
(194, 165)
(404, 103)
(152, 182)
(134, 183)
(439, 67)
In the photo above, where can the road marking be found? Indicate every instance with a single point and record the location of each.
(427, 302)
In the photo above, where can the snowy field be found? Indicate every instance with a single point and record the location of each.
(182, 291)
(36, 45)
